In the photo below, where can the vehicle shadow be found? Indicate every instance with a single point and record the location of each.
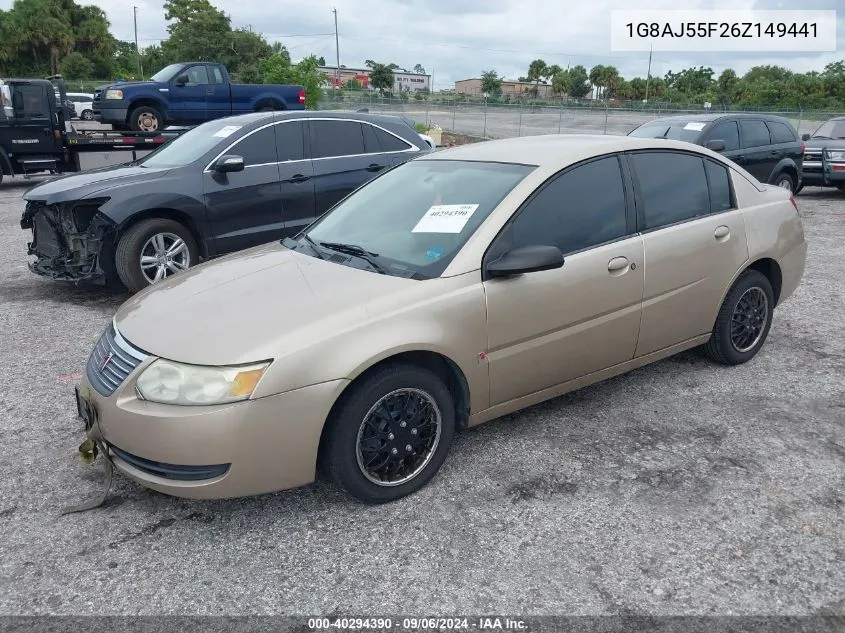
(25, 290)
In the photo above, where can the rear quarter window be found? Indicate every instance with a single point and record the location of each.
(780, 132)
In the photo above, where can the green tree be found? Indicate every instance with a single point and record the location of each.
(597, 77)
(418, 68)
(277, 69)
(537, 70)
(578, 82)
(321, 60)
(381, 77)
(491, 83)
(560, 82)
(727, 88)
(76, 66)
(198, 31)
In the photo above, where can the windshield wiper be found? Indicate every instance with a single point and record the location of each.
(357, 251)
(313, 246)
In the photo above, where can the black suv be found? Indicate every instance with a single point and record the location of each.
(766, 146)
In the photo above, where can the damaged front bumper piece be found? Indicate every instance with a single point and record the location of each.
(67, 239)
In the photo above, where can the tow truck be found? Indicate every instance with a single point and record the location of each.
(37, 136)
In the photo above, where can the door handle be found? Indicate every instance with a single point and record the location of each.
(375, 167)
(722, 233)
(617, 264)
(299, 178)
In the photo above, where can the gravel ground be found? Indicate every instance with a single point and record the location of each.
(680, 488)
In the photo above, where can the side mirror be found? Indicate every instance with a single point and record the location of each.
(717, 145)
(181, 80)
(526, 259)
(229, 163)
(805, 137)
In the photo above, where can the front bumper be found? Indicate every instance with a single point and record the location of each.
(63, 249)
(214, 452)
(822, 173)
(105, 113)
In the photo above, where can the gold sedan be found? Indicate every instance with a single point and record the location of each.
(456, 288)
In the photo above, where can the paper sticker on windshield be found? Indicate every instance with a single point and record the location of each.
(445, 218)
(694, 125)
(227, 130)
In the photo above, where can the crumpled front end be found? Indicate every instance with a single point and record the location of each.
(67, 238)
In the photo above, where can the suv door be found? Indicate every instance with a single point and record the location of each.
(785, 142)
(694, 242)
(245, 207)
(30, 131)
(727, 131)
(760, 156)
(341, 162)
(296, 173)
(550, 327)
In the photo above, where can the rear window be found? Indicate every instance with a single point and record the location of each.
(688, 131)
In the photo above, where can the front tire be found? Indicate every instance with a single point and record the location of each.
(87, 115)
(744, 320)
(390, 433)
(145, 119)
(152, 250)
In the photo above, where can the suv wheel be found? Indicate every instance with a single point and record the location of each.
(785, 181)
(390, 434)
(152, 250)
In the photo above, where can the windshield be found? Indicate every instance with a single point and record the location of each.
(167, 73)
(831, 129)
(675, 130)
(416, 217)
(190, 146)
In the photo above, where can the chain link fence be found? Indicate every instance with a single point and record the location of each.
(499, 120)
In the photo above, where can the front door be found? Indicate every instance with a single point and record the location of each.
(694, 242)
(191, 99)
(760, 157)
(341, 161)
(550, 327)
(296, 173)
(29, 133)
(245, 207)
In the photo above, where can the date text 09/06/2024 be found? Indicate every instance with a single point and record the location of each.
(722, 29)
(418, 624)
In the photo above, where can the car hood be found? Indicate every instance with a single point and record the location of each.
(253, 305)
(89, 183)
(828, 143)
(124, 84)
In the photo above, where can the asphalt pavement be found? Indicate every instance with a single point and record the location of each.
(680, 488)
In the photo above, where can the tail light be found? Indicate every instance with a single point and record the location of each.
(803, 148)
(794, 203)
(302, 97)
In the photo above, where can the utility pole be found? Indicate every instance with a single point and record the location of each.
(648, 76)
(137, 49)
(337, 49)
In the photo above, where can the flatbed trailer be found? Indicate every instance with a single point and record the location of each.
(36, 136)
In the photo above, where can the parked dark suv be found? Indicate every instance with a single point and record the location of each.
(220, 187)
(766, 146)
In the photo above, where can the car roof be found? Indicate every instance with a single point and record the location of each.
(715, 117)
(261, 117)
(554, 151)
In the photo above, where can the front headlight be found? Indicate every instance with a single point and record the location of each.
(835, 155)
(169, 382)
(114, 94)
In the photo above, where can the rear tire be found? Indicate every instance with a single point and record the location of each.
(155, 238)
(785, 180)
(744, 319)
(399, 404)
(87, 115)
(145, 119)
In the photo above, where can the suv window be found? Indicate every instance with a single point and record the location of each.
(259, 148)
(336, 138)
(290, 140)
(673, 187)
(728, 132)
(581, 207)
(197, 76)
(780, 132)
(754, 133)
(720, 186)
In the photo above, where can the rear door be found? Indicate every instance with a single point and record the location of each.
(341, 161)
(296, 172)
(694, 242)
(785, 141)
(245, 207)
(760, 156)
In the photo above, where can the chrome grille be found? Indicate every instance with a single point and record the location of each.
(111, 361)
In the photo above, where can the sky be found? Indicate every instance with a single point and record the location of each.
(458, 39)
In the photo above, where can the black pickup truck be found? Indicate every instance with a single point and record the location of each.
(824, 155)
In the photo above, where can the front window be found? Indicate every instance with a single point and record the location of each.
(167, 73)
(414, 219)
(831, 129)
(688, 131)
(190, 146)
